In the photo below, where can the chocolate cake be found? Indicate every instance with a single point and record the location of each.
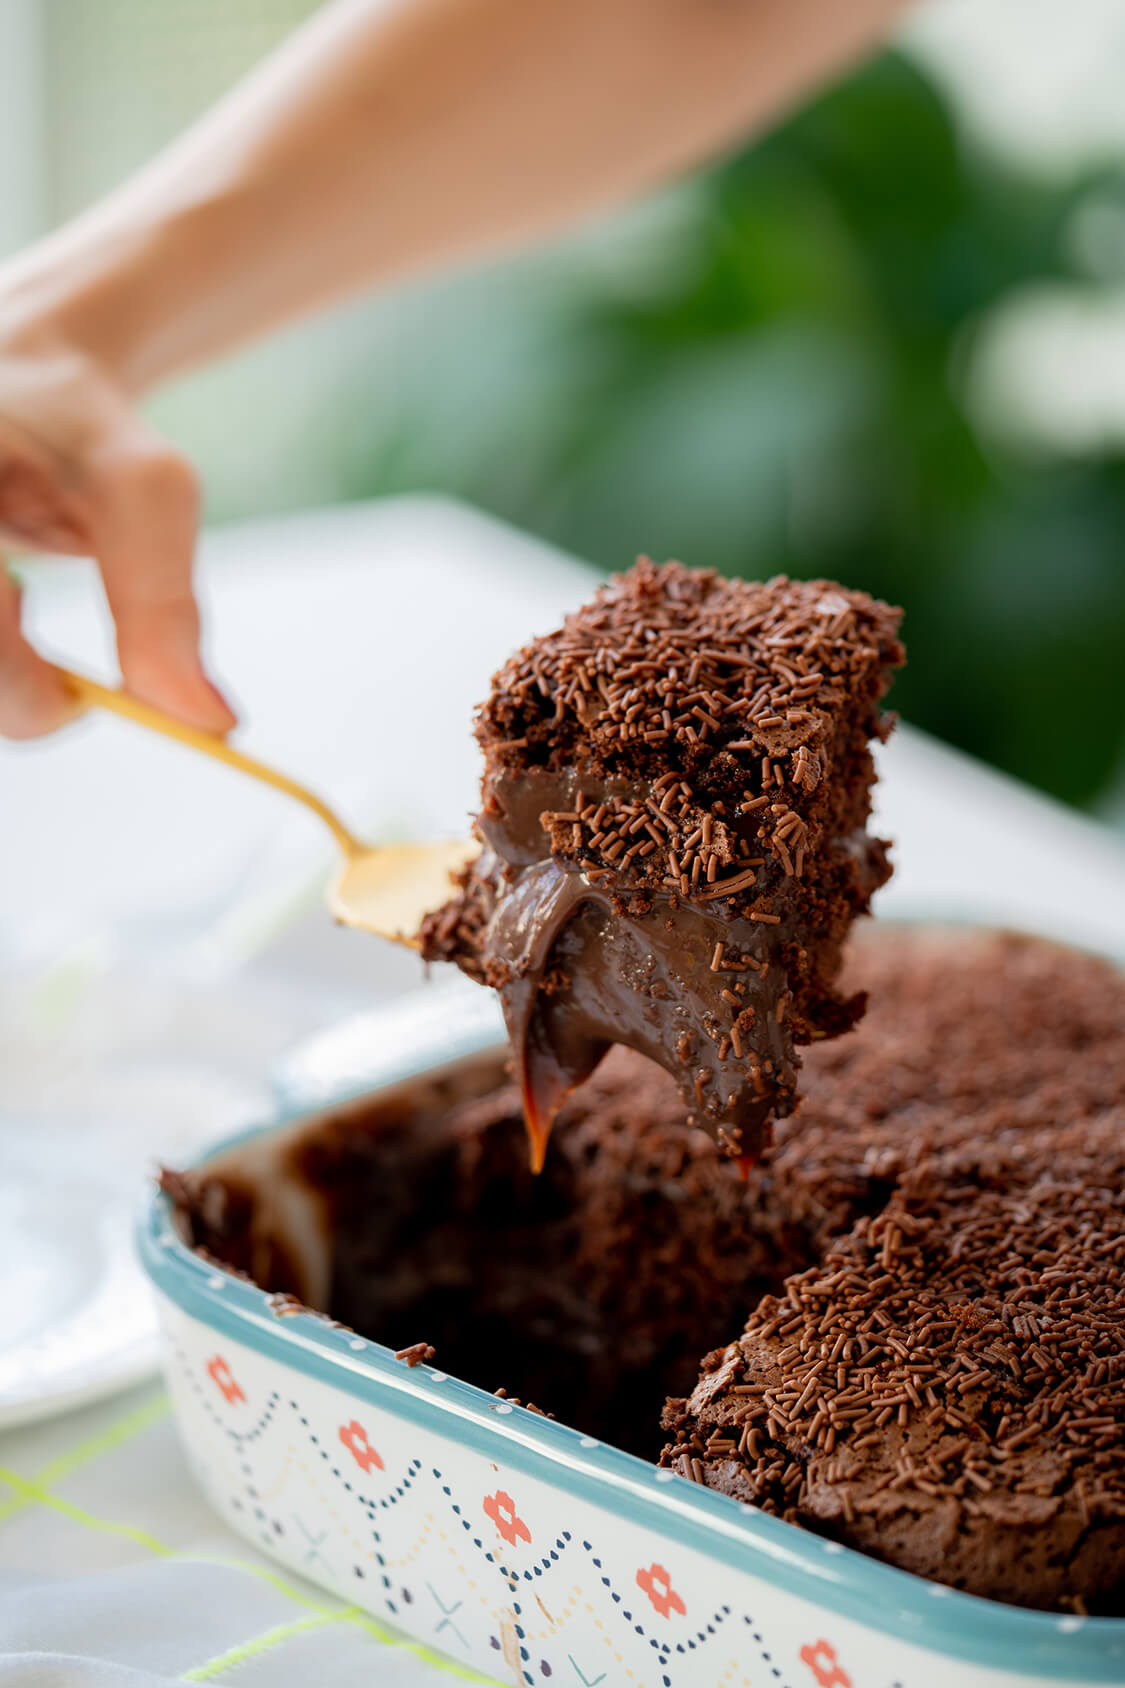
(675, 794)
(944, 1385)
(931, 1255)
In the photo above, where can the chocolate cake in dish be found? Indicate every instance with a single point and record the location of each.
(910, 1315)
(673, 821)
(944, 1385)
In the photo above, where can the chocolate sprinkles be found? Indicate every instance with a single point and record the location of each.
(945, 1384)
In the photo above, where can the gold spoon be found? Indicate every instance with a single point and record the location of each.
(386, 890)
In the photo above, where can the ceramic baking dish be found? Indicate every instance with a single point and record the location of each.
(524, 1550)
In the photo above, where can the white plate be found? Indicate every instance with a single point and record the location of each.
(105, 1071)
(76, 1319)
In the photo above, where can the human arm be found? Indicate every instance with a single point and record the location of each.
(381, 139)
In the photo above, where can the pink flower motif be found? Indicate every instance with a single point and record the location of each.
(220, 1374)
(657, 1584)
(501, 1508)
(825, 1666)
(354, 1438)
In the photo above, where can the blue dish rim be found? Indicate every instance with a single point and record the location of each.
(897, 1603)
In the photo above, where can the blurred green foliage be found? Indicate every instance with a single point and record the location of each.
(785, 397)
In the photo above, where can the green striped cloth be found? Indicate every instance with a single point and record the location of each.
(115, 1573)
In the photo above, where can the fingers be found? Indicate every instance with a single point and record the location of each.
(145, 517)
(134, 504)
(32, 699)
(34, 515)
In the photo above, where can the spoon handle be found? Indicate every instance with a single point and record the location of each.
(91, 693)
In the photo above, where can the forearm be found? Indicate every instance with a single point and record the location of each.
(385, 137)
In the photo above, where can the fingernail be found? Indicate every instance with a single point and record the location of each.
(39, 707)
(221, 704)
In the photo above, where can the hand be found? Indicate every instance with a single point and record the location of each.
(82, 472)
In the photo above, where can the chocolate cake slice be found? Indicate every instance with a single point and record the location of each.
(674, 803)
(944, 1386)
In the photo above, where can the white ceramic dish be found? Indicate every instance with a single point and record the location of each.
(522, 1549)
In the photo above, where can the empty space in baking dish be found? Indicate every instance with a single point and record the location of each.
(413, 1217)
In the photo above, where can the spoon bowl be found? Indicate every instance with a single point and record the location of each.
(390, 890)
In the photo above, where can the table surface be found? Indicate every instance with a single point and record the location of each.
(161, 943)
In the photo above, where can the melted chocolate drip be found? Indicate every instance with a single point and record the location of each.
(580, 967)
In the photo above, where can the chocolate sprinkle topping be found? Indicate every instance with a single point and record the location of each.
(619, 688)
(945, 1386)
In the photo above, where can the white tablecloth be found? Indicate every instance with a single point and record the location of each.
(113, 1572)
(161, 942)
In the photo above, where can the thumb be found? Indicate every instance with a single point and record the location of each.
(32, 701)
(144, 521)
